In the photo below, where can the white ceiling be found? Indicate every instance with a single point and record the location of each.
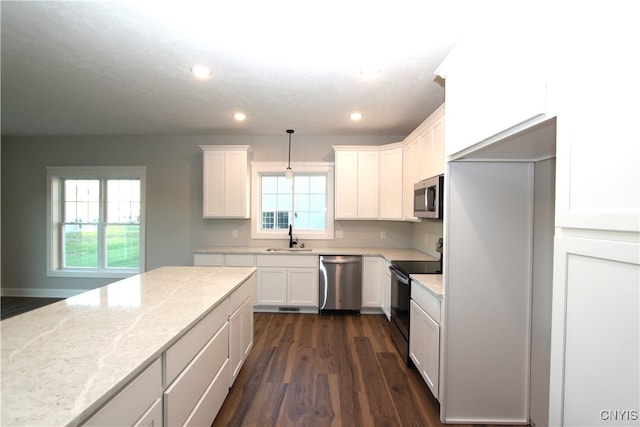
(113, 68)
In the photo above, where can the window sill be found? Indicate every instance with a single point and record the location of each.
(82, 274)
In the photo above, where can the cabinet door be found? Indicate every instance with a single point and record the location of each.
(436, 161)
(371, 282)
(424, 346)
(598, 148)
(236, 197)
(368, 184)
(213, 184)
(391, 184)
(235, 345)
(240, 337)
(386, 290)
(302, 287)
(424, 154)
(416, 337)
(247, 328)
(409, 177)
(271, 286)
(346, 191)
(595, 330)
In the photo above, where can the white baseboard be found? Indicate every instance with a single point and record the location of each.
(41, 293)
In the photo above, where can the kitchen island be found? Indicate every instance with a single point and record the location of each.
(63, 362)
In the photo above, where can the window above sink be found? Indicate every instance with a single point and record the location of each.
(305, 202)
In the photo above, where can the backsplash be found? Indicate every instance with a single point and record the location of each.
(421, 235)
(376, 234)
(425, 236)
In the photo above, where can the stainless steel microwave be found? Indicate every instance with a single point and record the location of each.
(428, 198)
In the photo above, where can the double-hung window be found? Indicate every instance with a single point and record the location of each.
(96, 221)
(304, 202)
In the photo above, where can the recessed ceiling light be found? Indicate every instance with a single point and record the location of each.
(239, 116)
(201, 72)
(356, 116)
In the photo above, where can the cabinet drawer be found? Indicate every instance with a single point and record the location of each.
(181, 353)
(287, 261)
(212, 399)
(429, 303)
(242, 293)
(153, 417)
(182, 396)
(133, 401)
(239, 260)
(210, 260)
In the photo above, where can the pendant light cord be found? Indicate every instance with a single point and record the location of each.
(289, 131)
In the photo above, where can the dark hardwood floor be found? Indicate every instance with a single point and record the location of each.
(326, 370)
(12, 306)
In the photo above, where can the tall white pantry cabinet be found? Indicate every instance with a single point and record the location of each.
(595, 368)
(542, 254)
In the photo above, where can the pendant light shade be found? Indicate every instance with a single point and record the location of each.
(289, 173)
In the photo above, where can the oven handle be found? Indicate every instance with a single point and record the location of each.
(399, 276)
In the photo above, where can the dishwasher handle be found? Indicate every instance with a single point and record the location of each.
(341, 261)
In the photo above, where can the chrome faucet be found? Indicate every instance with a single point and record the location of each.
(292, 241)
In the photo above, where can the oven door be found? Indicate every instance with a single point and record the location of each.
(400, 297)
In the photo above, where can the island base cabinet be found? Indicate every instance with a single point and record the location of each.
(124, 409)
(191, 384)
(207, 408)
(153, 417)
(240, 337)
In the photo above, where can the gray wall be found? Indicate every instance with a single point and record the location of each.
(174, 198)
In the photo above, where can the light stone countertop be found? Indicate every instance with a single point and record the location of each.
(61, 362)
(431, 282)
(389, 254)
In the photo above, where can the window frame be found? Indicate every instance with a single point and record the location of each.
(55, 176)
(276, 168)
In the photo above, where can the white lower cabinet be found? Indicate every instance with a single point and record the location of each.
(386, 289)
(302, 286)
(371, 282)
(287, 281)
(136, 404)
(224, 260)
(209, 365)
(240, 328)
(424, 336)
(596, 324)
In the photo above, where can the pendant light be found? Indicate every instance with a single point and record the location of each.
(289, 173)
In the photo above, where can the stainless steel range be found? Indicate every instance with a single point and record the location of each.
(400, 297)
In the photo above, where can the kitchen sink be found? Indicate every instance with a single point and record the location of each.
(288, 249)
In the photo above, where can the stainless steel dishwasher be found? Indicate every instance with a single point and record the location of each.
(340, 282)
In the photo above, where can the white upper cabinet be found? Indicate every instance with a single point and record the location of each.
(494, 85)
(225, 181)
(423, 157)
(391, 182)
(356, 171)
(409, 176)
(598, 148)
